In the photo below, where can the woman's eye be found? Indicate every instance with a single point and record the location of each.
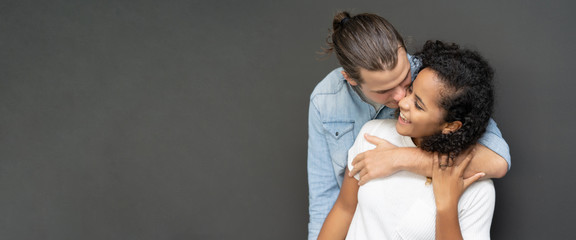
(417, 105)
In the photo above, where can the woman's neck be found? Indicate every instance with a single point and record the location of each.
(417, 141)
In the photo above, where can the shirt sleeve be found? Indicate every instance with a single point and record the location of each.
(476, 208)
(360, 145)
(493, 140)
(322, 184)
(382, 128)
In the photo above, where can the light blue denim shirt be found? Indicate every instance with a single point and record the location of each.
(336, 115)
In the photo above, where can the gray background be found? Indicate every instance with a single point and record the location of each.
(188, 119)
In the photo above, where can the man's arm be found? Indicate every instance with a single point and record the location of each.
(492, 159)
(493, 140)
(419, 161)
(322, 185)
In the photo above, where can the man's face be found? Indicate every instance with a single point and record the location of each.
(386, 87)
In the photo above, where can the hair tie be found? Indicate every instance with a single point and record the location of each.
(344, 20)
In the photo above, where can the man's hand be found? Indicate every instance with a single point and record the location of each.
(374, 163)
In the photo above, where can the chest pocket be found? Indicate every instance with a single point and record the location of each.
(340, 137)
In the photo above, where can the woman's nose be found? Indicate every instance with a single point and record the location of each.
(403, 103)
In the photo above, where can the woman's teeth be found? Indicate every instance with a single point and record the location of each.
(403, 117)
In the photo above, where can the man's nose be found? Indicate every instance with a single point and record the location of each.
(399, 93)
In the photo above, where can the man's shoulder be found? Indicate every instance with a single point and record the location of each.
(415, 64)
(333, 97)
(331, 84)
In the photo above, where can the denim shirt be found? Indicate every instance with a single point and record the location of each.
(336, 115)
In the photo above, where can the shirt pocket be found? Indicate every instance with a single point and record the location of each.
(340, 137)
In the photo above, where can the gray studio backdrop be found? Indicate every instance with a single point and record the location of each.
(188, 119)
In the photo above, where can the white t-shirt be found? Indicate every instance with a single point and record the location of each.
(402, 206)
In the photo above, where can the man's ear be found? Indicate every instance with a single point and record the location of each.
(451, 127)
(350, 81)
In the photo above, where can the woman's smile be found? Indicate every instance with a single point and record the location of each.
(402, 119)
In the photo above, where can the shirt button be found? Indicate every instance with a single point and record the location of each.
(336, 134)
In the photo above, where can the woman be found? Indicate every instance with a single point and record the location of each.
(446, 110)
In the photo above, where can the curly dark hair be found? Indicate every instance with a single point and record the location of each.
(467, 95)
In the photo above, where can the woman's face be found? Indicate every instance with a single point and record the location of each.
(420, 112)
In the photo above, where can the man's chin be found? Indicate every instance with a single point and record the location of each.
(391, 105)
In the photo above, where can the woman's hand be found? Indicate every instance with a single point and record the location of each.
(448, 181)
(449, 184)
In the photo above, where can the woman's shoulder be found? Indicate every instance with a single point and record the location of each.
(482, 191)
(481, 186)
(379, 124)
(385, 129)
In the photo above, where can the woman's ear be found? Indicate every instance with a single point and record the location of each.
(350, 81)
(451, 127)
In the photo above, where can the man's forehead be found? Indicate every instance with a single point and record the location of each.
(385, 79)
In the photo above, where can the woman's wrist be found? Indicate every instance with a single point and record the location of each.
(446, 206)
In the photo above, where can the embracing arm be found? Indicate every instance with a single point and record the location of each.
(419, 161)
(339, 219)
(492, 157)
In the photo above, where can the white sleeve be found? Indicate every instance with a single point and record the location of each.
(358, 146)
(476, 208)
(381, 128)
